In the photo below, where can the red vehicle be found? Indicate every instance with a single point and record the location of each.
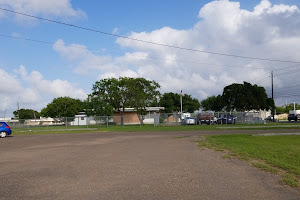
(206, 118)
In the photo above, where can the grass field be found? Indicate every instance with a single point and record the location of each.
(276, 152)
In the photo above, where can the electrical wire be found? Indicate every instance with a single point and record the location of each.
(145, 41)
(145, 57)
(265, 79)
(289, 72)
(286, 67)
(260, 77)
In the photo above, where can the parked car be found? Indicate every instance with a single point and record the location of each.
(227, 119)
(270, 118)
(206, 118)
(188, 121)
(293, 117)
(4, 130)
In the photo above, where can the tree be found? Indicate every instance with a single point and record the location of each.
(94, 106)
(190, 104)
(26, 114)
(125, 91)
(62, 107)
(280, 110)
(113, 92)
(242, 97)
(291, 107)
(143, 93)
(171, 102)
(214, 103)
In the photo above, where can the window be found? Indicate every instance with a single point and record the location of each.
(82, 118)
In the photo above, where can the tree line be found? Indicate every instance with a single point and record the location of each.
(115, 94)
(239, 97)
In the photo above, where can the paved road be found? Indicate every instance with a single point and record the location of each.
(127, 166)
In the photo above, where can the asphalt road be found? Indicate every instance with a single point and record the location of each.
(127, 166)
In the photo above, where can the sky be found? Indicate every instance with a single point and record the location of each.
(182, 46)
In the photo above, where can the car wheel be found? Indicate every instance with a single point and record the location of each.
(3, 134)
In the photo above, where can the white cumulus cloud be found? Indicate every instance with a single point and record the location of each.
(57, 8)
(269, 31)
(32, 90)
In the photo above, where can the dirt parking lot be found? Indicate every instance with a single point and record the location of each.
(127, 166)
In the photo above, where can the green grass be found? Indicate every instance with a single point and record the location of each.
(275, 154)
(180, 137)
(290, 180)
(265, 167)
(280, 151)
(226, 156)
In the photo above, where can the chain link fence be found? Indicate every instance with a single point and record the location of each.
(155, 119)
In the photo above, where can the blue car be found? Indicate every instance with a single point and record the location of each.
(227, 119)
(4, 130)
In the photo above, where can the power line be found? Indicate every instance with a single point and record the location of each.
(293, 86)
(260, 77)
(297, 95)
(288, 93)
(145, 41)
(287, 73)
(286, 67)
(265, 79)
(146, 57)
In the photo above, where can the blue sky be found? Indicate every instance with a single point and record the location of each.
(35, 73)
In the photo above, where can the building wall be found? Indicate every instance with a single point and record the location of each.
(129, 118)
(80, 120)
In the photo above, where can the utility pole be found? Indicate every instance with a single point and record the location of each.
(18, 109)
(181, 102)
(272, 94)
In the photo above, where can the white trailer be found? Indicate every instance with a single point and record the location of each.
(296, 112)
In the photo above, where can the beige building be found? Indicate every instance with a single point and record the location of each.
(131, 117)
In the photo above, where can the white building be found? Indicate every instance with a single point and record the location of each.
(80, 120)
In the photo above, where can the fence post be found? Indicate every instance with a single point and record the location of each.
(242, 117)
(106, 121)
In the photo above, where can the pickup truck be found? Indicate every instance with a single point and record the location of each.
(206, 118)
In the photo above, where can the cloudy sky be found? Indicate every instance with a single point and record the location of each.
(41, 60)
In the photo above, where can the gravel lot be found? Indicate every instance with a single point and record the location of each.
(127, 166)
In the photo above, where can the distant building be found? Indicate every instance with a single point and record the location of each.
(130, 116)
(43, 121)
(80, 120)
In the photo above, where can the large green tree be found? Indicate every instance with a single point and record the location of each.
(171, 102)
(243, 97)
(143, 93)
(94, 106)
(114, 92)
(126, 92)
(63, 107)
(26, 114)
(214, 103)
